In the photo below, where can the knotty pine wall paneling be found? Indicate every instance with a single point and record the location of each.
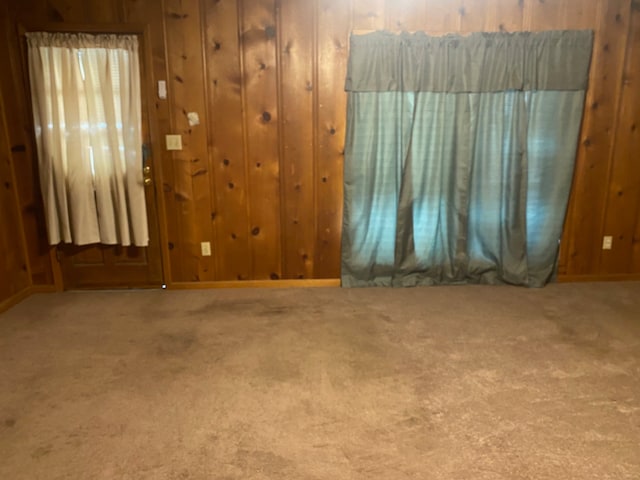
(260, 69)
(622, 218)
(490, 15)
(191, 202)
(15, 276)
(22, 149)
(582, 241)
(298, 97)
(230, 216)
(333, 26)
(261, 177)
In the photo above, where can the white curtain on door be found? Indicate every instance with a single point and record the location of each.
(87, 113)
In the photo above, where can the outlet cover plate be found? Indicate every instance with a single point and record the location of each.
(205, 249)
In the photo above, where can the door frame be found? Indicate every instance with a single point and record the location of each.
(148, 80)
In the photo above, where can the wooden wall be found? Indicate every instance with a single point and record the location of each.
(14, 268)
(261, 176)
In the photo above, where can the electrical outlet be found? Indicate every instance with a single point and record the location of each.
(174, 142)
(205, 249)
(607, 242)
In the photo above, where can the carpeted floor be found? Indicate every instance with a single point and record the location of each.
(424, 383)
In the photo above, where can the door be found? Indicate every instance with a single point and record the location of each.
(115, 266)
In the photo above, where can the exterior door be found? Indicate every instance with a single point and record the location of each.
(114, 266)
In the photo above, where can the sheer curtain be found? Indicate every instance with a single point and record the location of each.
(87, 114)
(459, 156)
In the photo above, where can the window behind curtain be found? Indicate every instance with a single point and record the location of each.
(459, 156)
(87, 114)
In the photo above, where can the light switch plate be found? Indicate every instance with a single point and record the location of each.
(174, 142)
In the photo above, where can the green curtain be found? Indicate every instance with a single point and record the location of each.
(459, 156)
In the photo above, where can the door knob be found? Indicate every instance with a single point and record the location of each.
(148, 181)
(146, 170)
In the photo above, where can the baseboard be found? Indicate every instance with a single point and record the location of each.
(304, 283)
(24, 293)
(612, 277)
(15, 299)
(44, 289)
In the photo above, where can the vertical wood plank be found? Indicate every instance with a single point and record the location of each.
(14, 269)
(106, 11)
(192, 191)
(333, 29)
(442, 16)
(298, 86)
(580, 15)
(491, 15)
(583, 237)
(545, 14)
(404, 15)
(226, 133)
(368, 14)
(623, 206)
(23, 153)
(258, 33)
(75, 11)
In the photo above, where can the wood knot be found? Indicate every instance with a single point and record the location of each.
(266, 117)
(255, 231)
(225, 162)
(274, 276)
(270, 31)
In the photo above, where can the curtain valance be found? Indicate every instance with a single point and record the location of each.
(480, 62)
(81, 40)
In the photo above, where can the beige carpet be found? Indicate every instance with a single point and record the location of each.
(427, 383)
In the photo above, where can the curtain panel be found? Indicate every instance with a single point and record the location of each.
(86, 103)
(458, 161)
